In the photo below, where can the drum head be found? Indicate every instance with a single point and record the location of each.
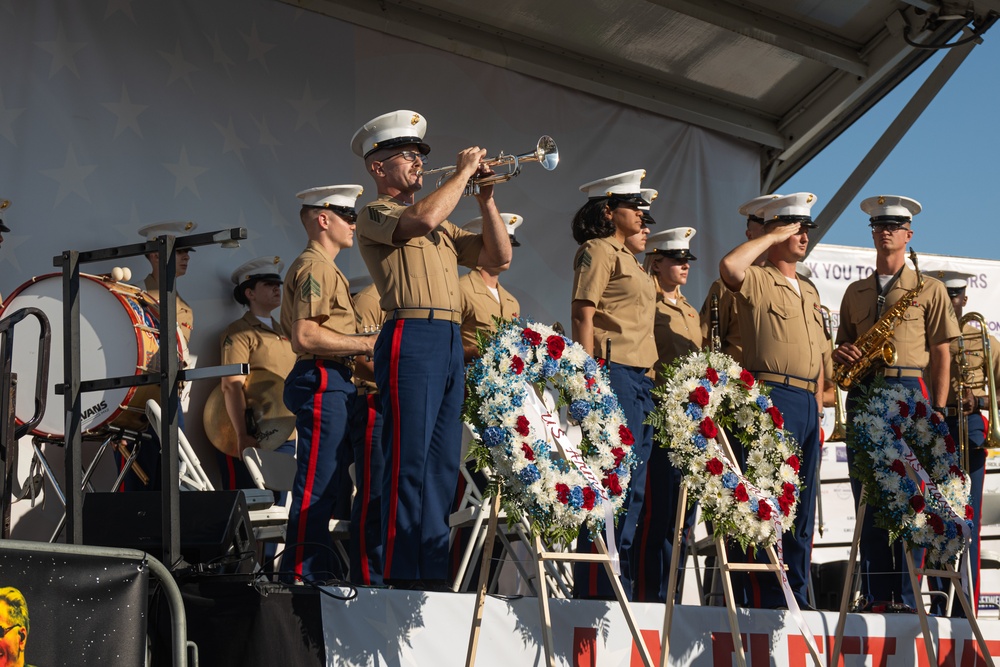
(108, 348)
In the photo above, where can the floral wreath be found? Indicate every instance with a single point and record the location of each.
(706, 391)
(890, 416)
(533, 478)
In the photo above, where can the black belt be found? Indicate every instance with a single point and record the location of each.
(427, 314)
(787, 380)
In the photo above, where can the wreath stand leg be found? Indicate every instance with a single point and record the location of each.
(675, 557)
(541, 555)
(852, 570)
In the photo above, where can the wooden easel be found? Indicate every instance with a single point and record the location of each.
(950, 573)
(541, 555)
(725, 567)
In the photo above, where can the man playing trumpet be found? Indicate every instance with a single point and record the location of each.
(921, 338)
(412, 253)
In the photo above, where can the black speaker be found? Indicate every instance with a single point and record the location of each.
(215, 526)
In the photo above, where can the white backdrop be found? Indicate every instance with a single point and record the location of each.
(115, 114)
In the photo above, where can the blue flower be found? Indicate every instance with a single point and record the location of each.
(517, 399)
(589, 367)
(562, 465)
(950, 530)
(529, 474)
(493, 436)
(705, 383)
(730, 480)
(578, 410)
(609, 402)
(723, 379)
(908, 486)
(763, 403)
(576, 498)
(754, 505)
(550, 367)
(693, 411)
(541, 448)
(700, 441)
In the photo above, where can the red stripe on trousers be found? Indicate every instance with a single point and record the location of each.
(640, 586)
(366, 484)
(311, 472)
(397, 340)
(231, 469)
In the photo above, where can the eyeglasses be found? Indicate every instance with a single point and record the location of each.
(408, 156)
(879, 227)
(4, 631)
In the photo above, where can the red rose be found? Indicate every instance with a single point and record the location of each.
(531, 337)
(714, 466)
(708, 428)
(626, 435)
(711, 375)
(904, 409)
(917, 503)
(896, 431)
(949, 444)
(562, 493)
(936, 523)
(517, 365)
(555, 346)
(522, 425)
(747, 378)
(699, 396)
(589, 497)
(740, 493)
(612, 484)
(793, 461)
(921, 410)
(528, 454)
(788, 491)
(591, 382)
(898, 468)
(935, 418)
(786, 505)
(619, 454)
(764, 511)
(955, 470)
(969, 513)
(776, 417)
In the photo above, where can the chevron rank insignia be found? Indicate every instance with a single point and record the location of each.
(228, 342)
(377, 212)
(583, 260)
(310, 289)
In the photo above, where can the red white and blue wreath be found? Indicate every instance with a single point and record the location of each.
(534, 479)
(895, 428)
(703, 393)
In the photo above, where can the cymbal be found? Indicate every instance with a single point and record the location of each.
(275, 424)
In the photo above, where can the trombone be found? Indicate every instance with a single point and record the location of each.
(975, 375)
(546, 153)
(839, 433)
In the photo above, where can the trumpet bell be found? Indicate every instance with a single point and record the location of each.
(547, 153)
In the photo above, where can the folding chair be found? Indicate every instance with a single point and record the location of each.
(192, 475)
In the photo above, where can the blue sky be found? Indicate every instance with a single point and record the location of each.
(946, 162)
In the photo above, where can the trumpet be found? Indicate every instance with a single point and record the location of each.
(975, 375)
(714, 341)
(546, 153)
(839, 433)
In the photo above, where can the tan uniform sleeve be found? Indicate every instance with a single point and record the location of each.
(468, 246)
(940, 320)
(315, 292)
(377, 221)
(235, 347)
(592, 267)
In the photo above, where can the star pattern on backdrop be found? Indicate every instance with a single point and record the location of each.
(255, 47)
(10, 242)
(219, 55)
(265, 137)
(185, 173)
(127, 113)
(123, 6)
(179, 67)
(231, 142)
(308, 109)
(63, 52)
(7, 117)
(70, 177)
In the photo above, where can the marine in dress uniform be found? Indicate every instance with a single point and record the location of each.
(637, 242)
(365, 549)
(975, 402)
(318, 314)
(483, 297)
(677, 330)
(412, 253)
(614, 300)
(783, 339)
(729, 331)
(254, 339)
(922, 341)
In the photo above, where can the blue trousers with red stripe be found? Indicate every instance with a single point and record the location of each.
(884, 576)
(319, 394)
(977, 475)
(419, 370)
(634, 391)
(366, 511)
(801, 414)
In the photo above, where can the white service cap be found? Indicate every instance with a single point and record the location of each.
(510, 220)
(624, 186)
(890, 208)
(795, 207)
(331, 196)
(749, 209)
(169, 228)
(674, 243)
(396, 128)
(262, 268)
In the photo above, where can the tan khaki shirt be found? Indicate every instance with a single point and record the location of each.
(782, 332)
(974, 360)
(248, 340)
(370, 317)
(607, 275)
(729, 326)
(185, 315)
(316, 289)
(677, 330)
(420, 272)
(929, 320)
(479, 306)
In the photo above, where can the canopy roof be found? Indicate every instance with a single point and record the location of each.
(789, 75)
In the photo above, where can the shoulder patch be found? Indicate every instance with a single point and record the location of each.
(310, 289)
(583, 260)
(377, 212)
(228, 342)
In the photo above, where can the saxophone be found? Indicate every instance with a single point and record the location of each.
(874, 344)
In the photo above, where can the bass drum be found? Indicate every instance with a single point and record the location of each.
(118, 337)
